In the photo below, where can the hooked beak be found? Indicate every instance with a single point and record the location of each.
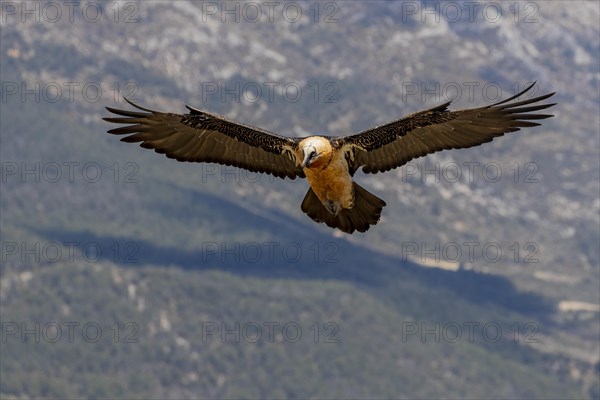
(306, 162)
(307, 157)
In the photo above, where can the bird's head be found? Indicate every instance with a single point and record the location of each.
(316, 152)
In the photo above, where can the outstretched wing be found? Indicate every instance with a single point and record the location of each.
(203, 137)
(394, 144)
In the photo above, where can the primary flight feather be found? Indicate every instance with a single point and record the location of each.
(328, 163)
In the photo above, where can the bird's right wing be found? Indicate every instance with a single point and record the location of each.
(203, 137)
(394, 144)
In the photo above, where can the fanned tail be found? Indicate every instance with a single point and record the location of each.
(366, 211)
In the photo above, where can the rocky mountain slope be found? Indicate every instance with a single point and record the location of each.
(522, 211)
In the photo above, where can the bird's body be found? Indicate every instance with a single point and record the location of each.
(328, 176)
(328, 163)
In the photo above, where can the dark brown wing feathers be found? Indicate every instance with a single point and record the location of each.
(394, 144)
(204, 137)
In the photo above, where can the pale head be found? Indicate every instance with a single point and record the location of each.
(316, 152)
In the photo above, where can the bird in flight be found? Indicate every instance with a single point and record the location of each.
(328, 163)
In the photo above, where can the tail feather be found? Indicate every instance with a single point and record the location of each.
(366, 211)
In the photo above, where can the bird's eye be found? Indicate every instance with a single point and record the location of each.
(313, 154)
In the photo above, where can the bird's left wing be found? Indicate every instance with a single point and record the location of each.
(394, 144)
(203, 137)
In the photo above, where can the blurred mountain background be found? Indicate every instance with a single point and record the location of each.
(125, 274)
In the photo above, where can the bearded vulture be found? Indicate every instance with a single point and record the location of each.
(328, 163)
